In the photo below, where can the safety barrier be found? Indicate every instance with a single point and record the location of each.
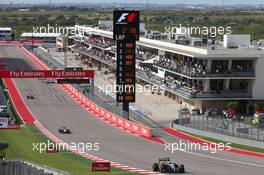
(139, 129)
(34, 58)
(131, 126)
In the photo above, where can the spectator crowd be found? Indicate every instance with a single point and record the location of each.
(99, 41)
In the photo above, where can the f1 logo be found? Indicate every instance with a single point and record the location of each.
(122, 17)
(126, 25)
(126, 18)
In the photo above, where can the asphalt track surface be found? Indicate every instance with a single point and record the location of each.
(53, 108)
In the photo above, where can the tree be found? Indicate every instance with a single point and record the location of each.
(60, 19)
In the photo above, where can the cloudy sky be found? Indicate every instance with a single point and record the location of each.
(213, 2)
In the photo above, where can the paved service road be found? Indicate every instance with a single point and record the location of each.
(53, 108)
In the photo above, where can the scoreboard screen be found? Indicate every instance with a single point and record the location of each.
(126, 80)
(126, 33)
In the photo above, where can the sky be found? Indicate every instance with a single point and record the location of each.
(211, 2)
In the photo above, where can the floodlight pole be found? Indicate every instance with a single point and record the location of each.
(65, 50)
(65, 58)
(32, 40)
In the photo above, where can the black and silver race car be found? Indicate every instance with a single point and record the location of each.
(64, 130)
(31, 97)
(165, 166)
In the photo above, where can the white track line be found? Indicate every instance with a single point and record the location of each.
(89, 156)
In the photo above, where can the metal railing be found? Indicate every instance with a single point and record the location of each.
(237, 126)
(186, 92)
(23, 167)
(105, 61)
(206, 74)
(224, 94)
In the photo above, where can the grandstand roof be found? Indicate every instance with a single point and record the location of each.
(193, 51)
(41, 35)
(5, 28)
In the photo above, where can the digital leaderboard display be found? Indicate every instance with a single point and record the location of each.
(126, 72)
(126, 33)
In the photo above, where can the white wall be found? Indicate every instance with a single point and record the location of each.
(236, 40)
(161, 52)
(258, 85)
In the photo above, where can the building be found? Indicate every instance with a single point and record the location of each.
(196, 75)
(61, 43)
(6, 33)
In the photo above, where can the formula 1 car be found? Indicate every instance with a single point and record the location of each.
(30, 97)
(165, 166)
(64, 130)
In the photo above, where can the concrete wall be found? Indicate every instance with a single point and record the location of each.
(187, 103)
(203, 104)
(258, 85)
(236, 40)
(161, 52)
(220, 104)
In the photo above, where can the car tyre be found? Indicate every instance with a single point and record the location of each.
(181, 169)
(155, 167)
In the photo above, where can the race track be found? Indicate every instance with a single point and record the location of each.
(53, 108)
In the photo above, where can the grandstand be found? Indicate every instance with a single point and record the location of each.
(200, 75)
(6, 33)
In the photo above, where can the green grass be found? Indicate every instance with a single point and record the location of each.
(233, 145)
(21, 147)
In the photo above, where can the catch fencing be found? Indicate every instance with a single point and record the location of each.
(242, 127)
(21, 167)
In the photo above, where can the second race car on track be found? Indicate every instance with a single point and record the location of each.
(30, 97)
(64, 130)
(165, 166)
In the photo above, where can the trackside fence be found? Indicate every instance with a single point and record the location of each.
(21, 167)
(241, 127)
